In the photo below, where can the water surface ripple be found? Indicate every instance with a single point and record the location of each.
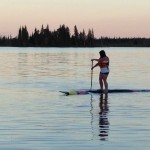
(35, 116)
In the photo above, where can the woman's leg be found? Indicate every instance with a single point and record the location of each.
(104, 77)
(101, 81)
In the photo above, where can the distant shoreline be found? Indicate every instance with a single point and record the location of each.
(62, 38)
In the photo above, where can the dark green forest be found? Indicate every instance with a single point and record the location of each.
(63, 38)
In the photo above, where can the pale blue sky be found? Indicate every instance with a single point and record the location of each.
(124, 18)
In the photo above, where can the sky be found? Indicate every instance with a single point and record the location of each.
(111, 18)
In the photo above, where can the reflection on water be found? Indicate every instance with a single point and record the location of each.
(103, 117)
(103, 121)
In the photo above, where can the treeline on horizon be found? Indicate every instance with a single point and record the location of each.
(63, 38)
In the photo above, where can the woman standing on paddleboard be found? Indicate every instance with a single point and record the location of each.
(103, 63)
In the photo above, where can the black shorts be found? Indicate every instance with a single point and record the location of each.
(105, 73)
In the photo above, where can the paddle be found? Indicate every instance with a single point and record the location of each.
(91, 75)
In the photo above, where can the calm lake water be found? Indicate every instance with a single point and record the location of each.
(35, 116)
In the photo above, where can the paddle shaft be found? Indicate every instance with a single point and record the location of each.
(91, 75)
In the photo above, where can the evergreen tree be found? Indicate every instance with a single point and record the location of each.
(20, 37)
(76, 37)
(90, 38)
(23, 36)
(63, 36)
(82, 39)
(36, 38)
